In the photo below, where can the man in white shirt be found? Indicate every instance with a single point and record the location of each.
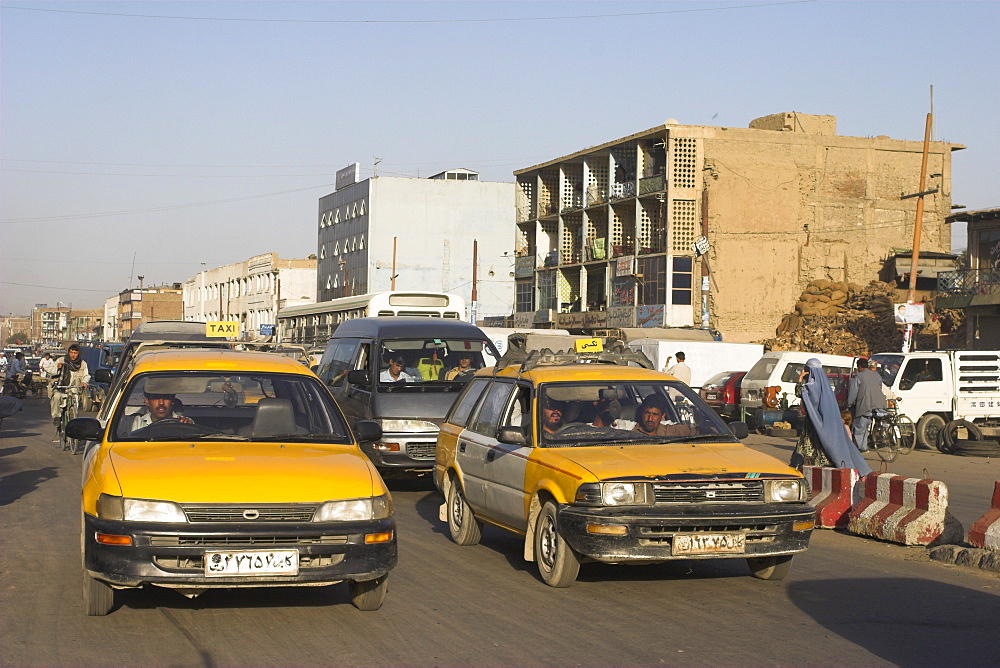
(47, 366)
(395, 372)
(680, 371)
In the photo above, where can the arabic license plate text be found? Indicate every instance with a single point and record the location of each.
(709, 543)
(711, 395)
(230, 563)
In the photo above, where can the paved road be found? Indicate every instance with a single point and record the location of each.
(847, 600)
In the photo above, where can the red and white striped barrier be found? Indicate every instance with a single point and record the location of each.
(910, 511)
(985, 532)
(832, 494)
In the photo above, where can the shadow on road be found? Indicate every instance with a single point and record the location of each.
(11, 451)
(906, 621)
(16, 485)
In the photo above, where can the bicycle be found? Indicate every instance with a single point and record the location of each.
(69, 407)
(891, 433)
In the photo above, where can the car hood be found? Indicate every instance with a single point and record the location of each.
(208, 472)
(674, 461)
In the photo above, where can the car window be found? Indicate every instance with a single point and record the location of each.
(430, 360)
(762, 369)
(172, 406)
(921, 370)
(466, 401)
(491, 408)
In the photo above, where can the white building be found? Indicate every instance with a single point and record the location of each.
(109, 321)
(421, 231)
(250, 292)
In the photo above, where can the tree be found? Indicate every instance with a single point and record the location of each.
(17, 338)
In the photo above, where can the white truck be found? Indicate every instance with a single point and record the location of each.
(936, 387)
(706, 358)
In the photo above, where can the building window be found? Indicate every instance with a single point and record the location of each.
(524, 296)
(547, 290)
(653, 277)
(680, 281)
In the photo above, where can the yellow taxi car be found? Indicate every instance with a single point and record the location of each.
(590, 458)
(221, 469)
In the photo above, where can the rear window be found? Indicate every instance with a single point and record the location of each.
(762, 369)
(718, 379)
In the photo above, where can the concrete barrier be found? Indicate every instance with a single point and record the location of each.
(910, 511)
(832, 494)
(985, 531)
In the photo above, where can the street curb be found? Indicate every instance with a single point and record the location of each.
(974, 557)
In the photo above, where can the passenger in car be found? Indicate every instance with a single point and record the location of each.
(158, 407)
(463, 366)
(395, 372)
(650, 414)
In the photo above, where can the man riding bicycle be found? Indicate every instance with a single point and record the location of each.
(71, 371)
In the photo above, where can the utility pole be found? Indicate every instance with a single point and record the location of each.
(475, 262)
(911, 296)
(392, 276)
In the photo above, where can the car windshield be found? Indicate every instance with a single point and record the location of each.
(888, 367)
(409, 361)
(230, 406)
(602, 413)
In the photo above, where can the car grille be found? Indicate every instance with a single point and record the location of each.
(250, 513)
(245, 541)
(421, 450)
(748, 491)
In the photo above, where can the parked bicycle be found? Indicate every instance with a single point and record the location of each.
(891, 433)
(25, 386)
(68, 409)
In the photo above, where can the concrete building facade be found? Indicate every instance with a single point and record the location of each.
(48, 324)
(420, 230)
(139, 305)
(606, 237)
(976, 288)
(250, 292)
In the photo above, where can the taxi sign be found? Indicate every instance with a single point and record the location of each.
(589, 346)
(223, 328)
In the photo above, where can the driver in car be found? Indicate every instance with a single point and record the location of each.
(158, 407)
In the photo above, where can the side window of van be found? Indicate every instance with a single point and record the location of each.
(791, 372)
(466, 402)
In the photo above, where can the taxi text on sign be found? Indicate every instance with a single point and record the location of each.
(589, 346)
(222, 328)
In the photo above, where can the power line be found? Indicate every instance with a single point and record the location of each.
(52, 287)
(523, 19)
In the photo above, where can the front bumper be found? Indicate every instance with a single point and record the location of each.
(651, 531)
(173, 555)
(403, 451)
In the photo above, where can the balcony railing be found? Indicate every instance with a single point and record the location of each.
(596, 195)
(969, 282)
(651, 184)
(623, 190)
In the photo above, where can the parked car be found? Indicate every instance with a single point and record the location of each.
(551, 449)
(222, 469)
(722, 392)
(781, 369)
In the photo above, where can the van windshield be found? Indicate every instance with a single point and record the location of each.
(430, 360)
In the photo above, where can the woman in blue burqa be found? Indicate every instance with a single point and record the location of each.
(823, 440)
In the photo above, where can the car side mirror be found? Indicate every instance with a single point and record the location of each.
(512, 435)
(367, 431)
(103, 375)
(85, 429)
(739, 429)
(358, 377)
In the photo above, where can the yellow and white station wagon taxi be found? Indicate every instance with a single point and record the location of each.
(593, 459)
(221, 469)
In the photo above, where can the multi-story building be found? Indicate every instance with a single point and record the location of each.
(84, 324)
(607, 236)
(250, 292)
(139, 305)
(16, 327)
(48, 324)
(400, 233)
(109, 320)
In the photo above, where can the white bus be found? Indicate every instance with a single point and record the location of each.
(312, 324)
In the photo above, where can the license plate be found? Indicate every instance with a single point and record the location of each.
(229, 563)
(711, 395)
(709, 543)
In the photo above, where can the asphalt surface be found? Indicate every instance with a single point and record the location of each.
(847, 601)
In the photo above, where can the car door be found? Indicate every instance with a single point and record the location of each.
(506, 463)
(477, 443)
(923, 387)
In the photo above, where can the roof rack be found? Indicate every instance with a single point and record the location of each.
(616, 352)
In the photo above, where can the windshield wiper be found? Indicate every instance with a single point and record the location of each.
(701, 437)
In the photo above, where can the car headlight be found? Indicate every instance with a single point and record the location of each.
(138, 510)
(407, 425)
(614, 494)
(784, 490)
(372, 508)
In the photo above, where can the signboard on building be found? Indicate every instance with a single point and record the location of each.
(543, 315)
(524, 319)
(649, 316)
(700, 246)
(621, 316)
(581, 320)
(267, 330)
(348, 176)
(494, 321)
(524, 266)
(625, 266)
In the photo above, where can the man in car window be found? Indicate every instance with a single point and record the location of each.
(395, 372)
(158, 407)
(552, 415)
(651, 412)
(463, 368)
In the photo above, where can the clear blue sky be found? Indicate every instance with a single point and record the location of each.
(187, 135)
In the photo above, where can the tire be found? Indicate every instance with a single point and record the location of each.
(979, 449)
(884, 441)
(948, 435)
(63, 439)
(928, 428)
(98, 597)
(368, 594)
(906, 432)
(770, 568)
(463, 526)
(557, 563)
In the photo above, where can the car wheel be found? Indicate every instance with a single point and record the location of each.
(770, 568)
(368, 594)
(98, 597)
(558, 564)
(928, 428)
(463, 526)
